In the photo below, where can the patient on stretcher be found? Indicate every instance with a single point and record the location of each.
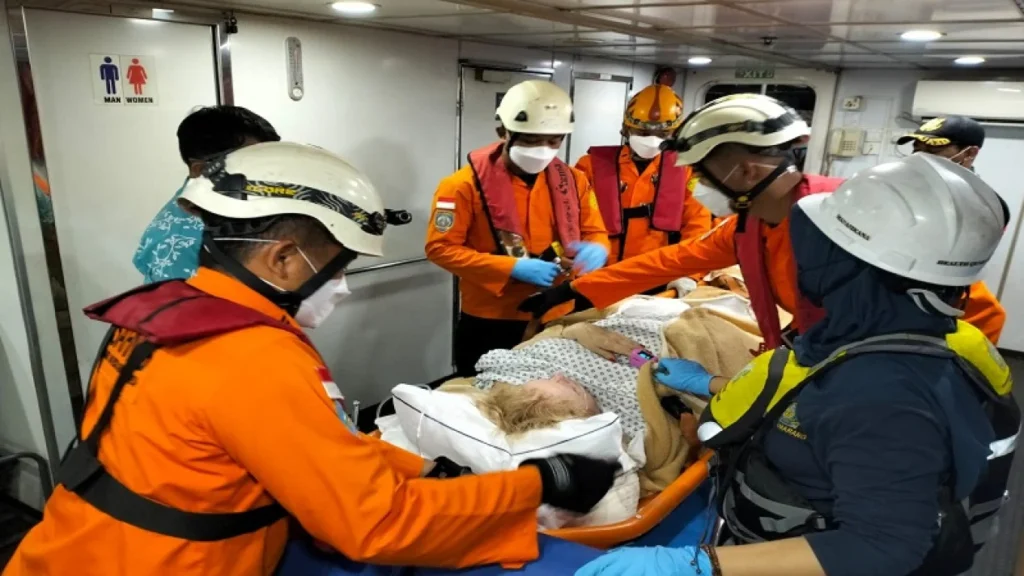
(534, 405)
(574, 383)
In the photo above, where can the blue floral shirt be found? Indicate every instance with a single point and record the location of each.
(169, 248)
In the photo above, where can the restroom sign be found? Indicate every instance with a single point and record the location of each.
(119, 80)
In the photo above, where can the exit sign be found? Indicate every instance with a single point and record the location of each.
(755, 73)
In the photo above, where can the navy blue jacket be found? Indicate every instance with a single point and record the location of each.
(874, 437)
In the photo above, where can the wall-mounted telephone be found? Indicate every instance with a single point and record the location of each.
(846, 142)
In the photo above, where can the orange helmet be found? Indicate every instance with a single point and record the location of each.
(656, 107)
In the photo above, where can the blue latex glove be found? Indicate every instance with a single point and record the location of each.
(589, 256)
(684, 376)
(536, 272)
(657, 561)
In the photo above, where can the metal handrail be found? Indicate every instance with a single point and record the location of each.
(386, 265)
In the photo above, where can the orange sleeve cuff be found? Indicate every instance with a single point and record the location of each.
(405, 463)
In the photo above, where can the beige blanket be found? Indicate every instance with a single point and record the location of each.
(721, 341)
(723, 349)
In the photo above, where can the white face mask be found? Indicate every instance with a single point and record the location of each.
(319, 305)
(315, 309)
(646, 147)
(712, 199)
(532, 159)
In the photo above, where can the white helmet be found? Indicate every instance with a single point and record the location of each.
(749, 119)
(923, 218)
(536, 107)
(276, 178)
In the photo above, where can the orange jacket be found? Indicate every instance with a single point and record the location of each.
(640, 188)
(239, 420)
(717, 250)
(467, 249)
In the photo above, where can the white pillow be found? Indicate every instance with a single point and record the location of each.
(446, 424)
(650, 307)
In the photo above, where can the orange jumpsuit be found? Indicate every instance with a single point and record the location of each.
(640, 189)
(717, 250)
(236, 421)
(467, 249)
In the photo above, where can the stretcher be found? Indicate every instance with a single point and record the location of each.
(677, 516)
(651, 512)
(557, 558)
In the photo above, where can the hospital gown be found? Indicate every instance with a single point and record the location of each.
(613, 384)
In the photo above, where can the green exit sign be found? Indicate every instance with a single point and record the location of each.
(755, 73)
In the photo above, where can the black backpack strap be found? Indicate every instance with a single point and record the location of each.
(83, 474)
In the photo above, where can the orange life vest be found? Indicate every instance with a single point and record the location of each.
(146, 318)
(665, 212)
(494, 182)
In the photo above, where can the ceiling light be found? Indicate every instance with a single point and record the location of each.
(162, 11)
(354, 8)
(969, 60)
(699, 60)
(921, 35)
(1015, 90)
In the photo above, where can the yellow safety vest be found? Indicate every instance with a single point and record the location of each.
(736, 412)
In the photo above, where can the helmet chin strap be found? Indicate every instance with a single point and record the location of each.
(741, 201)
(930, 303)
(288, 301)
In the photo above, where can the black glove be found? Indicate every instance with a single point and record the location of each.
(445, 468)
(574, 483)
(541, 302)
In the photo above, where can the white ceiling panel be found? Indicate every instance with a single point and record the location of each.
(824, 33)
(801, 49)
(583, 36)
(779, 36)
(689, 16)
(952, 31)
(591, 4)
(385, 8)
(1010, 46)
(922, 11)
(668, 53)
(485, 24)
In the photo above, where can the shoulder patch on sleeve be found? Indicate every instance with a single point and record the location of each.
(443, 220)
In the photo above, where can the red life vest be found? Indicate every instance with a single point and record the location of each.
(665, 212)
(172, 313)
(751, 255)
(495, 184)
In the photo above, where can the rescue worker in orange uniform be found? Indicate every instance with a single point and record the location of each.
(211, 417)
(513, 219)
(643, 195)
(741, 147)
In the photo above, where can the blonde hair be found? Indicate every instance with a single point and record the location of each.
(515, 410)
